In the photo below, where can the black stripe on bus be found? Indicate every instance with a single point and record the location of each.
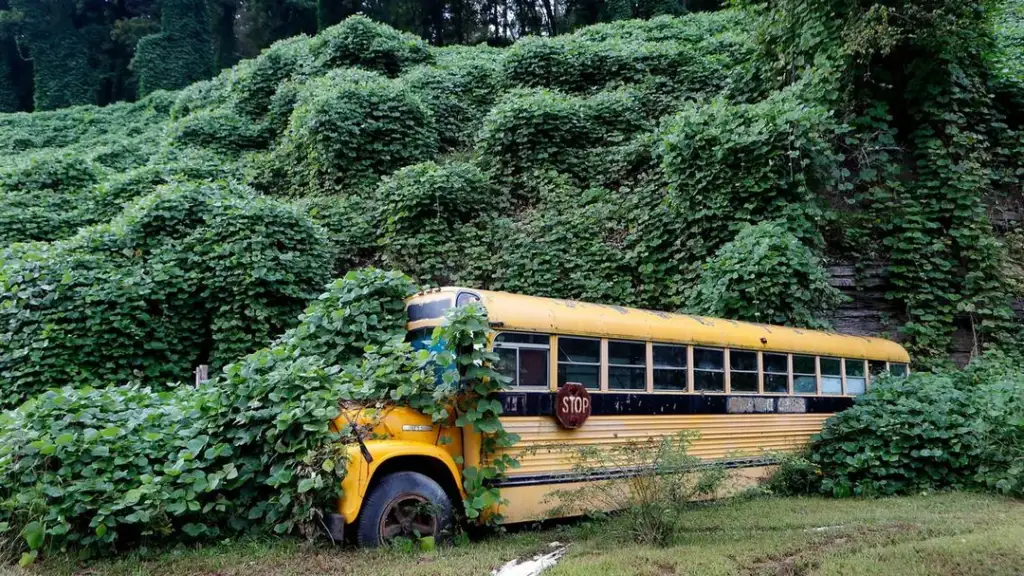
(647, 404)
(618, 473)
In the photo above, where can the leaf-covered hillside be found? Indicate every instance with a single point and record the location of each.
(709, 162)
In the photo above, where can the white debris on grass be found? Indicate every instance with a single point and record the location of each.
(533, 566)
(824, 528)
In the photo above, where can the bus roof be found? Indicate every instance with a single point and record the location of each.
(516, 312)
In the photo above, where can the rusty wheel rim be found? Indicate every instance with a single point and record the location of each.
(407, 516)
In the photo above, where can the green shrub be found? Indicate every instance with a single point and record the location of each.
(424, 208)
(653, 502)
(573, 65)
(727, 165)
(353, 225)
(347, 129)
(81, 125)
(530, 131)
(957, 429)
(203, 94)
(765, 275)
(92, 468)
(182, 53)
(257, 80)
(40, 195)
(570, 246)
(359, 41)
(219, 130)
(191, 274)
(459, 90)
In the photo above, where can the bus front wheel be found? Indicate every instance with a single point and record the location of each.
(404, 505)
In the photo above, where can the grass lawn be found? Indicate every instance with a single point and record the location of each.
(961, 534)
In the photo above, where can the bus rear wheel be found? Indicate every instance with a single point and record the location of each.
(404, 505)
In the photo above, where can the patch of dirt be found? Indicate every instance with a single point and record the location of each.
(666, 569)
(803, 561)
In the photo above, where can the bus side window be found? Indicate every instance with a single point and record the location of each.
(831, 376)
(875, 369)
(805, 375)
(743, 371)
(776, 373)
(708, 370)
(579, 360)
(898, 369)
(856, 383)
(669, 367)
(627, 365)
(523, 358)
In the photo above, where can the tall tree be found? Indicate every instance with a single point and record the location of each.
(225, 13)
(46, 30)
(330, 12)
(182, 53)
(15, 90)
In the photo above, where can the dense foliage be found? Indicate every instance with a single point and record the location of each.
(713, 163)
(765, 275)
(191, 274)
(182, 53)
(625, 162)
(950, 430)
(65, 52)
(253, 450)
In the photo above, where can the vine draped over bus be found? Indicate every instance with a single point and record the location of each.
(253, 449)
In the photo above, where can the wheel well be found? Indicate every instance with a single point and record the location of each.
(433, 468)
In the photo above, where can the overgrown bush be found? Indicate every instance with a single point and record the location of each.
(459, 89)
(661, 479)
(424, 209)
(219, 130)
(252, 451)
(956, 429)
(348, 128)
(530, 131)
(258, 79)
(765, 275)
(570, 246)
(181, 53)
(727, 165)
(191, 274)
(573, 65)
(123, 465)
(40, 194)
(359, 41)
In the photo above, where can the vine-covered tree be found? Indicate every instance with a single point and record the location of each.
(47, 32)
(182, 53)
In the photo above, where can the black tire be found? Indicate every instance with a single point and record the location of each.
(397, 493)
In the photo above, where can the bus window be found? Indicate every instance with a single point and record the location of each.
(805, 376)
(776, 373)
(669, 367)
(855, 380)
(742, 371)
(523, 358)
(831, 376)
(876, 368)
(898, 369)
(420, 338)
(579, 360)
(708, 370)
(627, 365)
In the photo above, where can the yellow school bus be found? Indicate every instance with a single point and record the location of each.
(744, 390)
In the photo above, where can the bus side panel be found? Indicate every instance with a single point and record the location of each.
(547, 452)
(533, 503)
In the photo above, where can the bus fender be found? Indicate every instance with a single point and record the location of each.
(360, 474)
